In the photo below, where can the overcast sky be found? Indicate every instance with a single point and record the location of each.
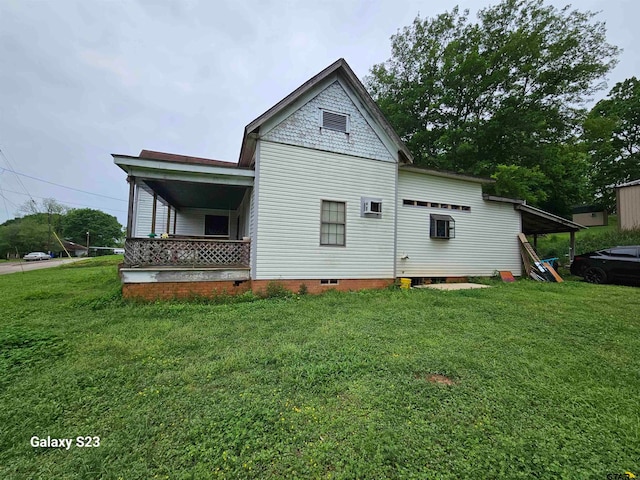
(80, 80)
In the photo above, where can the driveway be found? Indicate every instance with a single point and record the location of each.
(13, 267)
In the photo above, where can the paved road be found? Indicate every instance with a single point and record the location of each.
(13, 267)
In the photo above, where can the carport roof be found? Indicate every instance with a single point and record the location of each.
(536, 221)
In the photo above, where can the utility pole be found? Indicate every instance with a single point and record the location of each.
(49, 238)
(87, 244)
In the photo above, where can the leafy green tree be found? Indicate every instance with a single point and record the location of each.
(104, 229)
(506, 90)
(26, 234)
(612, 136)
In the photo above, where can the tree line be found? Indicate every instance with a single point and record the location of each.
(504, 96)
(36, 227)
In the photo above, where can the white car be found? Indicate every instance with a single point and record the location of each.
(36, 256)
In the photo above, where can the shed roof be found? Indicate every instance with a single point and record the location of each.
(632, 183)
(536, 221)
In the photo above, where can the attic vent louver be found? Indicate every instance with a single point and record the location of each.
(335, 121)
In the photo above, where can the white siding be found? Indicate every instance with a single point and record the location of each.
(292, 183)
(244, 214)
(144, 212)
(485, 237)
(190, 221)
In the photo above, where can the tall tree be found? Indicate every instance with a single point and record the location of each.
(104, 229)
(52, 211)
(506, 91)
(612, 136)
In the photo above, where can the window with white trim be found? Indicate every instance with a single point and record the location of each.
(442, 226)
(332, 223)
(334, 121)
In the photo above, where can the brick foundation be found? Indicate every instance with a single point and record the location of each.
(185, 290)
(314, 286)
(181, 290)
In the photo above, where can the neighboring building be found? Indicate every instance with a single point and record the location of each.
(590, 215)
(74, 249)
(628, 205)
(325, 195)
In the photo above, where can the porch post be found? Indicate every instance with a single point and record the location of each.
(175, 218)
(535, 242)
(132, 190)
(153, 212)
(168, 218)
(572, 245)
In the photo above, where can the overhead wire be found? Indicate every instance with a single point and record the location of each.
(71, 203)
(13, 170)
(65, 186)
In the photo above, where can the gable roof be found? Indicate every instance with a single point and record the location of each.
(342, 69)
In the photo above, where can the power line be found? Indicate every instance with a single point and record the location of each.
(7, 200)
(72, 203)
(11, 169)
(63, 186)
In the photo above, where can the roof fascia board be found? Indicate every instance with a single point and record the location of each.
(493, 198)
(375, 111)
(296, 104)
(212, 179)
(453, 176)
(163, 165)
(549, 216)
(386, 140)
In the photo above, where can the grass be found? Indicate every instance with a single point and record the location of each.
(546, 380)
(593, 238)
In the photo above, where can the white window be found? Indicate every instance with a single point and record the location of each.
(332, 223)
(334, 121)
(442, 226)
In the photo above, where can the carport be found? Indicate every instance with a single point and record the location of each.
(538, 222)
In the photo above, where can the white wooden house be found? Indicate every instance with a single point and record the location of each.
(324, 194)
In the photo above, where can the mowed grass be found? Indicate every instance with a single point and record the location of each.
(546, 381)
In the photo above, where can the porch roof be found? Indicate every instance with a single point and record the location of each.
(166, 166)
(181, 194)
(188, 182)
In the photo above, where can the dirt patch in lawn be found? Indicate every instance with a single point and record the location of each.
(437, 378)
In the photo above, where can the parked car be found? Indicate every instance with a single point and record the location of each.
(609, 265)
(36, 256)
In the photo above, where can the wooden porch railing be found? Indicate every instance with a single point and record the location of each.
(168, 252)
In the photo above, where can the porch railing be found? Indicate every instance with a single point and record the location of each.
(166, 252)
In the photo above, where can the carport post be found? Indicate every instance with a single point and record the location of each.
(572, 245)
(535, 242)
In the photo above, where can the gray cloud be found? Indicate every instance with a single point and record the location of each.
(80, 80)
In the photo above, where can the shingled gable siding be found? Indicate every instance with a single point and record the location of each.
(293, 183)
(302, 128)
(485, 237)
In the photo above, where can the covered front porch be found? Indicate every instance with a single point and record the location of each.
(188, 219)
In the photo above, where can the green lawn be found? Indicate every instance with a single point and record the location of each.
(546, 382)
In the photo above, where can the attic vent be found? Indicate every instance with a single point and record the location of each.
(335, 121)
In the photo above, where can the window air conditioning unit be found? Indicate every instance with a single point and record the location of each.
(371, 206)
